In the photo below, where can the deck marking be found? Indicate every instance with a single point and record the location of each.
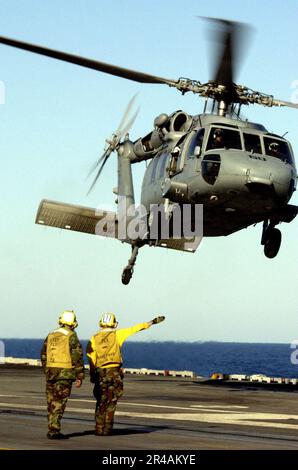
(203, 405)
(219, 406)
(149, 405)
(239, 418)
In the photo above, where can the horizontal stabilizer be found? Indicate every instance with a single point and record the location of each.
(77, 218)
(99, 222)
(182, 244)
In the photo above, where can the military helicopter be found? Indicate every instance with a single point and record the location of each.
(241, 173)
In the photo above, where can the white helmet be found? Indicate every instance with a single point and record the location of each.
(273, 146)
(108, 320)
(68, 317)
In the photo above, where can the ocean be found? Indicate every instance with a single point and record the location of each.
(203, 358)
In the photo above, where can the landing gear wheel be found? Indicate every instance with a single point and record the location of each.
(272, 242)
(126, 275)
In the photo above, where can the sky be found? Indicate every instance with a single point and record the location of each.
(53, 125)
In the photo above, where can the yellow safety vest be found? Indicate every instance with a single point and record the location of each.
(107, 349)
(58, 351)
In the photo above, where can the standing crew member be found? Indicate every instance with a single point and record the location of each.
(104, 355)
(62, 361)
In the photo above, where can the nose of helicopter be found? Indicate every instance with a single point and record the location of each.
(273, 173)
(265, 177)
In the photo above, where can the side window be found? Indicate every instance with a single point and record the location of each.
(177, 153)
(196, 143)
(252, 143)
(210, 167)
(278, 149)
(154, 168)
(220, 138)
(163, 158)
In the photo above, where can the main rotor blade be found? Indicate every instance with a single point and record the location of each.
(230, 37)
(88, 63)
(284, 103)
(225, 73)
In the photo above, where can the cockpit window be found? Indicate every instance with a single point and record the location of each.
(252, 143)
(278, 149)
(223, 139)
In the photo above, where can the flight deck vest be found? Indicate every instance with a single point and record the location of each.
(107, 349)
(58, 351)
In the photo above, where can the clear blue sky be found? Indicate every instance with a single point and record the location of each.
(52, 128)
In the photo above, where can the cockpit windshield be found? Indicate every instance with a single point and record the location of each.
(252, 143)
(278, 149)
(220, 138)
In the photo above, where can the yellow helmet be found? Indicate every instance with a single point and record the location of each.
(108, 320)
(68, 317)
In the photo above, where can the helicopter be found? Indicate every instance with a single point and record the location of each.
(233, 170)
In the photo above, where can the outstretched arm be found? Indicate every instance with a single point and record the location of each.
(122, 335)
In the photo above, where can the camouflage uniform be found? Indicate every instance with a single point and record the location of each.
(108, 379)
(107, 390)
(59, 381)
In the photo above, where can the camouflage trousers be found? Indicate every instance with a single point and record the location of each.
(57, 393)
(108, 389)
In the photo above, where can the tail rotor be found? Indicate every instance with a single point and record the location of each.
(114, 141)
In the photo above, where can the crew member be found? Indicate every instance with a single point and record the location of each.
(62, 361)
(274, 150)
(218, 140)
(104, 355)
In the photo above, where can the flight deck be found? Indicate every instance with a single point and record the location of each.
(154, 413)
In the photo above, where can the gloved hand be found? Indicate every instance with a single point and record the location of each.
(158, 319)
